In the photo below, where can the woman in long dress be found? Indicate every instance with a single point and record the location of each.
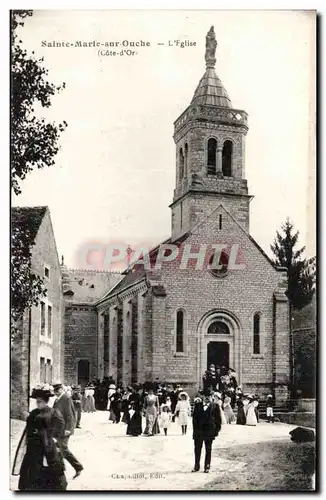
(125, 405)
(228, 412)
(111, 391)
(42, 467)
(151, 413)
(134, 427)
(115, 406)
(251, 418)
(183, 411)
(241, 416)
(91, 402)
(217, 398)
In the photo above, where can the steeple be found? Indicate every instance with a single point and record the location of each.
(210, 90)
(210, 153)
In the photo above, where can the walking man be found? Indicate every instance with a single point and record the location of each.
(77, 401)
(64, 404)
(206, 422)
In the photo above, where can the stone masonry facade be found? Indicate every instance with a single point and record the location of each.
(171, 322)
(37, 354)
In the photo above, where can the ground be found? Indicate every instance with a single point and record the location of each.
(243, 458)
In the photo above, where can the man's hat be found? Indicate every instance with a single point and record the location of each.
(57, 385)
(76, 388)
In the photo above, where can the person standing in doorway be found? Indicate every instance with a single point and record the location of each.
(206, 422)
(64, 404)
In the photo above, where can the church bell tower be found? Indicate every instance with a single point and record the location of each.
(210, 153)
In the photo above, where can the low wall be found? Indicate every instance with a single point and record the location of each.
(305, 419)
(307, 405)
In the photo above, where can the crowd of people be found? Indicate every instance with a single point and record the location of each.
(43, 447)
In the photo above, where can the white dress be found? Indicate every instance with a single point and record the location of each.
(165, 419)
(251, 418)
(223, 419)
(110, 392)
(183, 407)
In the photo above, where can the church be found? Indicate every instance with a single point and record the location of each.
(170, 322)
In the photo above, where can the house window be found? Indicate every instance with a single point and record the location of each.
(42, 371)
(186, 159)
(211, 156)
(220, 221)
(49, 321)
(42, 318)
(181, 215)
(219, 270)
(257, 333)
(227, 159)
(46, 272)
(180, 332)
(48, 373)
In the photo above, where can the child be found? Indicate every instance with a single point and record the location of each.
(165, 418)
(183, 411)
(269, 408)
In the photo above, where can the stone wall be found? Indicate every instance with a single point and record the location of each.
(240, 295)
(80, 341)
(32, 346)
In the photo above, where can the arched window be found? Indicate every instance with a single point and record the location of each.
(219, 328)
(221, 269)
(211, 156)
(227, 159)
(181, 163)
(257, 333)
(186, 160)
(180, 332)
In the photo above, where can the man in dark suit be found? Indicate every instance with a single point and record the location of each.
(206, 422)
(64, 404)
(77, 402)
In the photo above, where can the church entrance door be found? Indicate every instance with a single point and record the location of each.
(83, 372)
(218, 354)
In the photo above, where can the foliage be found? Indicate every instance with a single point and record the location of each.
(300, 272)
(26, 287)
(34, 142)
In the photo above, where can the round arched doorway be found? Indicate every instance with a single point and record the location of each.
(218, 342)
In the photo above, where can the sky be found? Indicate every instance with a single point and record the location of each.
(115, 172)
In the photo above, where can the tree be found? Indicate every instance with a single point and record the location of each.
(300, 272)
(26, 287)
(34, 144)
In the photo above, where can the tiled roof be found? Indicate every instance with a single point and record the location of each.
(29, 218)
(132, 276)
(90, 285)
(210, 91)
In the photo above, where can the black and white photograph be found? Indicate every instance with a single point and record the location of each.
(163, 250)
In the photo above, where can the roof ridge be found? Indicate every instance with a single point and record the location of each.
(97, 271)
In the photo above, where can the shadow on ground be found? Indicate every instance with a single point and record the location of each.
(270, 466)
